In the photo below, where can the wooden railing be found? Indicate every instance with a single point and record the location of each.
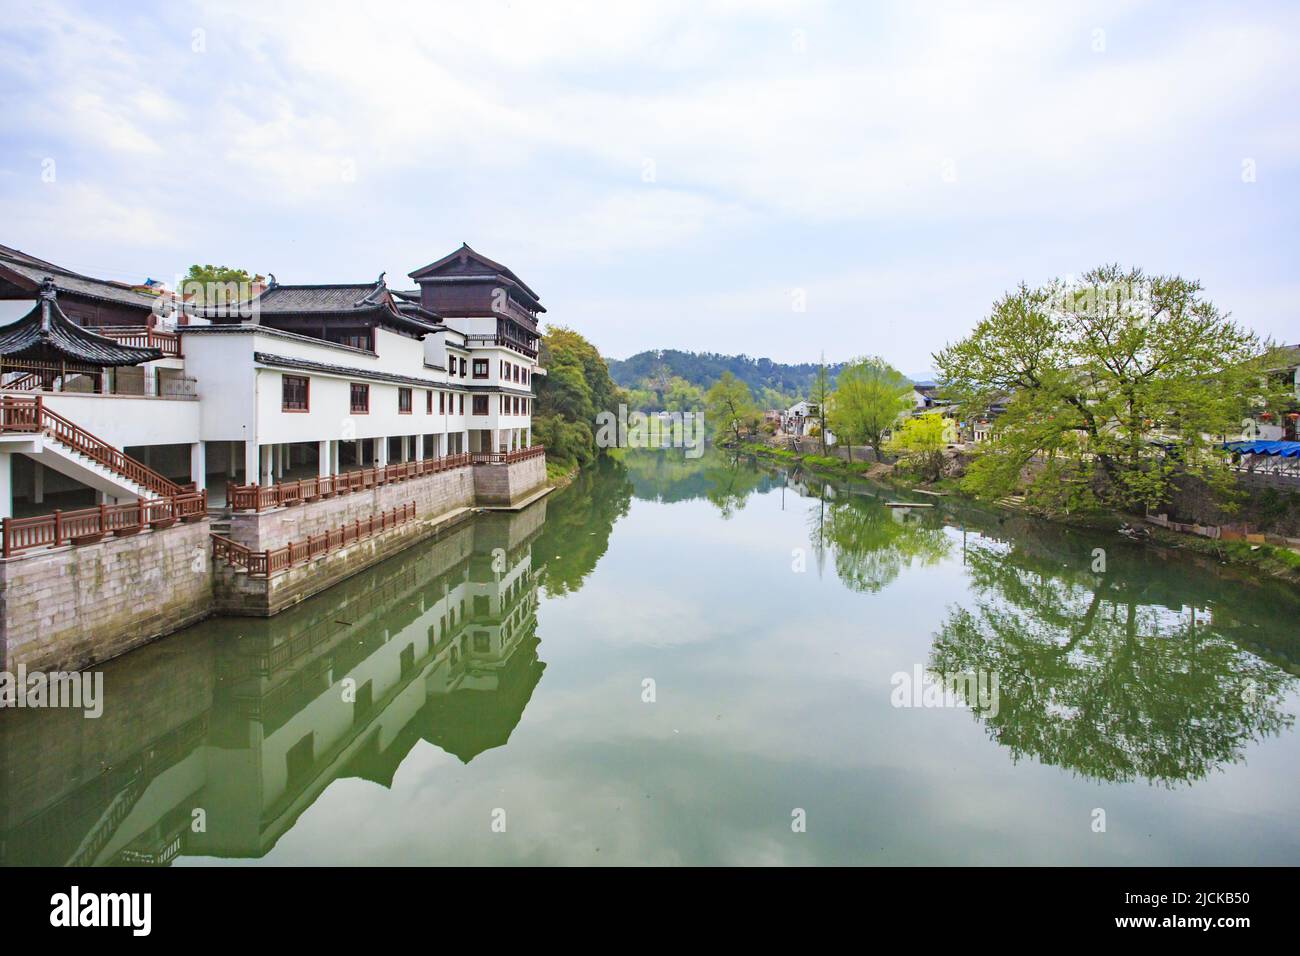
(503, 341)
(88, 525)
(22, 414)
(509, 457)
(139, 336)
(266, 563)
(282, 494)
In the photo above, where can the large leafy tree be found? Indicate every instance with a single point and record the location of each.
(576, 387)
(870, 395)
(729, 408)
(1114, 386)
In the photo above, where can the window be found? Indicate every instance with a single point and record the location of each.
(404, 401)
(480, 368)
(480, 405)
(294, 393)
(462, 404)
(442, 403)
(360, 399)
(516, 406)
(359, 340)
(428, 402)
(464, 367)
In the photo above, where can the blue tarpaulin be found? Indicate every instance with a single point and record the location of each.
(1287, 449)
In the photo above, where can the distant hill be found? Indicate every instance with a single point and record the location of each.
(702, 369)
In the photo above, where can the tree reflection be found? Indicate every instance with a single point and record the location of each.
(872, 543)
(1096, 676)
(579, 520)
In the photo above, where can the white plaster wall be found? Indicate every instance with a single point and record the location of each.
(124, 420)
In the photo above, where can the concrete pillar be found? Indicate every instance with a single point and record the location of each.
(230, 465)
(529, 433)
(323, 449)
(266, 453)
(381, 452)
(6, 485)
(278, 452)
(334, 457)
(252, 467)
(198, 465)
(38, 483)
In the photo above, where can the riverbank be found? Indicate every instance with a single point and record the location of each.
(1276, 562)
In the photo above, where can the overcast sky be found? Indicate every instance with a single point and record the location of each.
(665, 174)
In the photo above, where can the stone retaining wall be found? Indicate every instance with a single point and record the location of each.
(434, 495)
(240, 594)
(506, 484)
(69, 608)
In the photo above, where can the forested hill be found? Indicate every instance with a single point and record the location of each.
(702, 369)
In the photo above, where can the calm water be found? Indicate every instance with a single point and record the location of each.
(498, 677)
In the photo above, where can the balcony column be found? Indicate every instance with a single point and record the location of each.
(198, 465)
(381, 452)
(38, 483)
(230, 464)
(323, 452)
(529, 433)
(252, 463)
(267, 453)
(6, 485)
(334, 457)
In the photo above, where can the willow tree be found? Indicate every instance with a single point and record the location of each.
(1114, 386)
(729, 408)
(870, 395)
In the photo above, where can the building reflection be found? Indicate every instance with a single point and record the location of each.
(214, 741)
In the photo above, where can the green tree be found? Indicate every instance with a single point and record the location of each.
(1118, 383)
(922, 440)
(576, 387)
(870, 395)
(820, 395)
(217, 285)
(729, 408)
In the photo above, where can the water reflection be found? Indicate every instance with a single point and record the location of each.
(1118, 676)
(244, 723)
(1155, 671)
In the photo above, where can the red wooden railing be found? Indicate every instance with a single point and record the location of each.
(258, 497)
(266, 563)
(139, 336)
(509, 457)
(22, 414)
(88, 525)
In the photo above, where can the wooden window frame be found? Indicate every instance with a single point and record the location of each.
(352, 398)
(306, 394)
(404, 392)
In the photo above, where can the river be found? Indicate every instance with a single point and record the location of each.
(704, 661)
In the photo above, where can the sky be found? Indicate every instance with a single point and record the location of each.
(779, 179)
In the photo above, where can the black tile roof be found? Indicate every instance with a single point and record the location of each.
(45, 334)
(30, 272)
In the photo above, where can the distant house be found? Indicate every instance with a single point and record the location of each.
(1283, 424)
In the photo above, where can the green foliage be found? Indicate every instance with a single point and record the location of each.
(576, 387)
(729, 409)
(215, 285)
(870, 395)
(1113, 386)
(921, 441)
(775, 385)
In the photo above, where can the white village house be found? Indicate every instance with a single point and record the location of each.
(110, 394)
